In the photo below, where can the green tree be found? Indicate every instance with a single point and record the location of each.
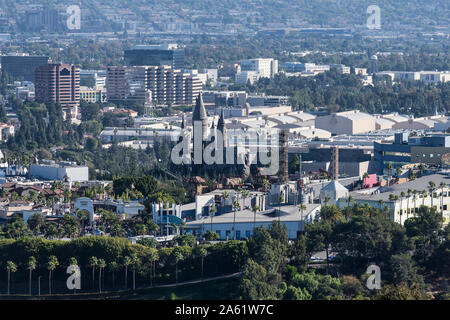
(113, 266)
(35, 223)
(400, 292)
(319, 236)
(202, 253)
(423, 229)
(127, 261)
(101, 265)
(257, 284)
(299, 255)
(153, 257)
(177, 256)
(255, 209)
(212, 212)
(31, 265)
(51, 266)
(236, 207)
(11, 267)
(93, 263)
(211, 236)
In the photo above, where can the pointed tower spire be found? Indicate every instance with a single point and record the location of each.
(199, 109)
(221, 123)
(199, 114)
(183, 123)
(221, 127)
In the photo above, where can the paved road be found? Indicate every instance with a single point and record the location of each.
(195, 281)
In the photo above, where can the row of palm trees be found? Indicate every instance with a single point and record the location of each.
(94, 263)
(31, 265)
(99, 264)
(423, 194)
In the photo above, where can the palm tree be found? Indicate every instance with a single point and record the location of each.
(442, 185)
(407, 202)
(365, 176)
(73, 262)
(254, 209)
(177, 256)
(280, 201)
(126, 262)
(113, 266)
(402, 195)
(93, 262)
(381, 203)
(202, 253)
(212, 212)
(415, 192)
(349, 200)
(398, 172)
(101, 265)
(236, 207)
(302, 207)
(395, 201)
(245, 194)
(83, 217)
(327, 200)
(153, 257)
(51, 265)
(226, 195)
(431, 186)
(31, 265)
(11, 267)
(424, 195)
(134, 263)
(389, 167)
(266, 184)
(421, 168)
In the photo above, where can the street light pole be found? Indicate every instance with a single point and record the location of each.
(39, 286)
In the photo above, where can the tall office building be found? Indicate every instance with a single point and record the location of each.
(167, 86)
(43, 19)
(23, 66)
(155, 55)
(58, 83)
(266, 68)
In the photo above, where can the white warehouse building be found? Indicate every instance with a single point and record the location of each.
(246, 220)
(52, 170)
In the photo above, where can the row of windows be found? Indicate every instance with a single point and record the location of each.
(431, 155)
(229, 234)
(416, 210)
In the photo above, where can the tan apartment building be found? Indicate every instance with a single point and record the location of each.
(167, 86)
(59, 83)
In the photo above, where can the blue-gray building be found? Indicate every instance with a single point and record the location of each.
(155, 55)
(405, 150)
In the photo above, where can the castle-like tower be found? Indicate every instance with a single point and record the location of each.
(199, 114)
(221, 127)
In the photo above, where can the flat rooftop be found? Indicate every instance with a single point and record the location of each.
(419, 184)
(288, 214)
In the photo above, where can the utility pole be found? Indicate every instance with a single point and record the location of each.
(39, 286)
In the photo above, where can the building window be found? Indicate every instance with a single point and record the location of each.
(218, 232)
(247, 233)
(445, 207)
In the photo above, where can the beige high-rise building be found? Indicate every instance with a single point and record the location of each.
(168, 86)
(59, 83)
